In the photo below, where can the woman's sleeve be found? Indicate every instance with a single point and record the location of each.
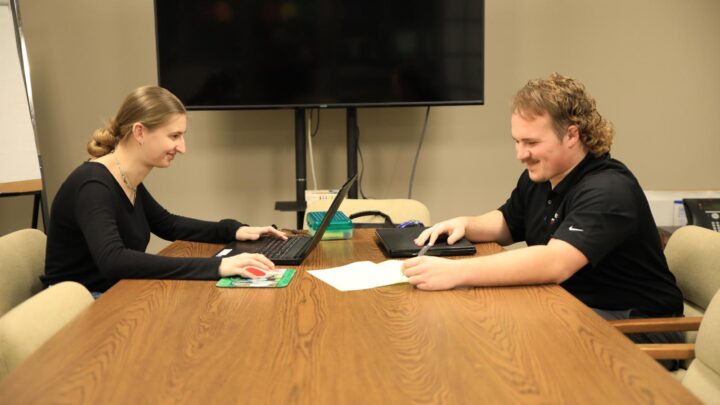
(173, 227)
(96, 214)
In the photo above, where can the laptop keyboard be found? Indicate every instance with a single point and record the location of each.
(278, 247)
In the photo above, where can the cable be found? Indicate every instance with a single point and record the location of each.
(362, 165)
(310, 149)
(417, 154)
(317, 124)
(362, 170)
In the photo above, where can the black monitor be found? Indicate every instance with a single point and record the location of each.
(232, 54)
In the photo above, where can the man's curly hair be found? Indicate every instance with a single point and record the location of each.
(567, 103)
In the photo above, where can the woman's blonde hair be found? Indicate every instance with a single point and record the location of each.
(148, 105)
(567, 103)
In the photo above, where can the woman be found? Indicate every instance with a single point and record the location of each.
(102, 215)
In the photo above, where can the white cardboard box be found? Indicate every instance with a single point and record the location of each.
(667, 207)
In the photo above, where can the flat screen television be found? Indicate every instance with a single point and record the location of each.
(232, 54)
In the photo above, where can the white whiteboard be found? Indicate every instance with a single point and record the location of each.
(18, 152)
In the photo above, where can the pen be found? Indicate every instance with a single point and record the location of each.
(423, 250)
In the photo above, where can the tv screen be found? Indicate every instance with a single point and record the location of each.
(232, 54)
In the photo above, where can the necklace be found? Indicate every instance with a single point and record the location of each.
(124, 178)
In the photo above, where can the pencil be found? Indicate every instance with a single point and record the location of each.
(423, 250)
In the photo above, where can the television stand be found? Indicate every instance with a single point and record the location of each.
(299, 204)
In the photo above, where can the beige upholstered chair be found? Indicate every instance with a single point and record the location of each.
(399, 210)
(703, 375)
(693, 254)
(27, 326)
(22, 261)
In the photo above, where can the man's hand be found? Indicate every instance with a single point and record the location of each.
(237, 265)
(455, 228)
(255, 232)
(432, 273)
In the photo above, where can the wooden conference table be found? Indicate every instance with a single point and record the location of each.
(161, 341)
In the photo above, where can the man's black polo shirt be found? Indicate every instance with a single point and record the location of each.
(600, 209)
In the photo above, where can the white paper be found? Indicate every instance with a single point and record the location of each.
(18, 154)
(223, 252)
(362, 275)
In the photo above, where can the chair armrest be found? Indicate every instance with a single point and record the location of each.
(662, 351)
(672, 351)
(644, 325)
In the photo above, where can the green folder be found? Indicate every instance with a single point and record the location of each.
(273, 279)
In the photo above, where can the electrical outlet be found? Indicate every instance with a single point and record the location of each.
(319, 195)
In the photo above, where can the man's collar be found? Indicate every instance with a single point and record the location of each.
(588, 163)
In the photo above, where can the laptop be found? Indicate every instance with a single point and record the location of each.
(398, 242)
(296, 248)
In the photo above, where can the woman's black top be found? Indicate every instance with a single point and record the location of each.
(97, 237)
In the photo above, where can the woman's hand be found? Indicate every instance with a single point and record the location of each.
(255, 232)
(237, 265)
(432, 273)
(455, 228)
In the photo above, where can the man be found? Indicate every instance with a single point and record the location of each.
(583, 215)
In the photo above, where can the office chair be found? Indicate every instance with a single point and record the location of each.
(30, 324)
(22, 261)
(702, 377)
(693, 255)
(398, 210)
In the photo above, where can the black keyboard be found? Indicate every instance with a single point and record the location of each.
(278, 247)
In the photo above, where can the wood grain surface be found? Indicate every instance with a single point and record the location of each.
(187, 342)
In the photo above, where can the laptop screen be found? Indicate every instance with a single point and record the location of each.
(331, 211)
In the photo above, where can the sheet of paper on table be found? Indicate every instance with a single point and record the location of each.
(362, 275)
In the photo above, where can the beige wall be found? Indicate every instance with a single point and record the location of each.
(653, 65)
